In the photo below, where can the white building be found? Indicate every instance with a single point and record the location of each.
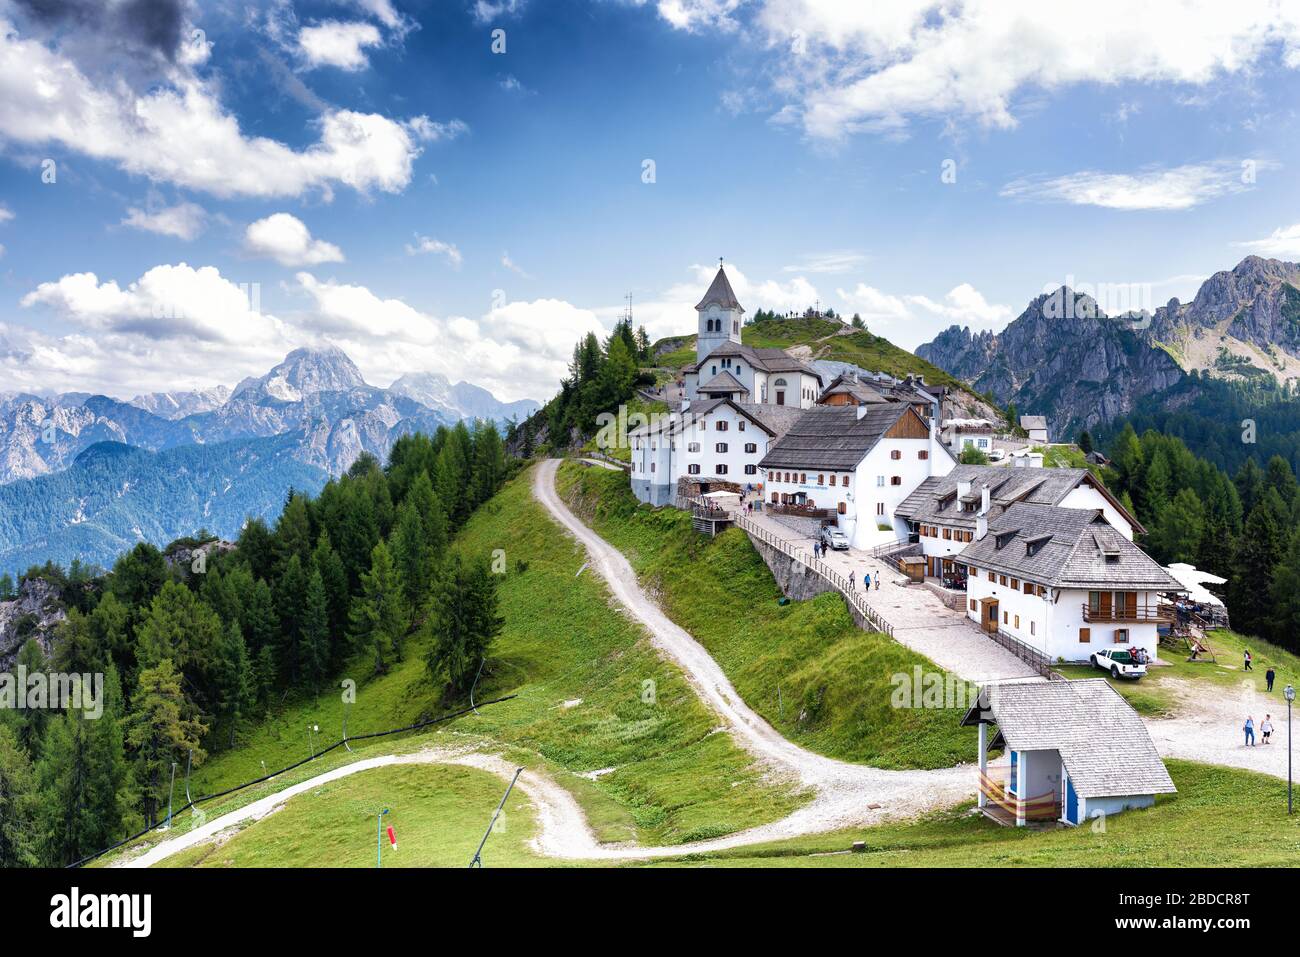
(1035, 427)
(947, 512)
(715, 443)
(960, 434)
(859, 462)
(1065, 582)
(1074, 751)
(726, 368)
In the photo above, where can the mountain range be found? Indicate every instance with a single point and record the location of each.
(317, 394)
(87, 476)
(1065, 358)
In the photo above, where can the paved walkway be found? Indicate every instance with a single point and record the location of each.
(920, 620)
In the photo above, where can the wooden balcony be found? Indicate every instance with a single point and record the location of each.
(1131, 614)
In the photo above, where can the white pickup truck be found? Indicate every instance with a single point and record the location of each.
(1119, 662)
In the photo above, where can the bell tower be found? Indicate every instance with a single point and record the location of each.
(721, 316)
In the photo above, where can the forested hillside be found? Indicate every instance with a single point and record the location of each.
(1245, 527)
(193, 654)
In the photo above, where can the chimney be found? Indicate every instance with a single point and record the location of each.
(984, 500)
(862, 410)
(981, 525)
(963, 488)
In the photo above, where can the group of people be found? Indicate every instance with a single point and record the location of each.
(1265, 726)
(1265, 730)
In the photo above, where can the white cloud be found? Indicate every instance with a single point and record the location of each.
(831, 262)
(514, 267)
(286, 239)
(1283, 241)
(179, 325)
(6, 213)
(1180, 187)
(486, 11)
(844, 67)
(910, 319)
(184, 220)
(179, 132)
(383, 11)
(337, 44)
(427, 244)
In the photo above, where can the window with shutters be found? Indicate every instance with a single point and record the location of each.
(751, 447)
(1085, 635)
(843, 508)
(896, 480)
(751, 469)
(692, 470)
(720, 448)
(895, 454)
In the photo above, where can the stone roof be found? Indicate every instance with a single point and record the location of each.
(1103, 743)
(1066, 548)
(851, 385)
(775, 420)
(934, 500)
(724, 381)
(833, 437)
(719, 293)
(1028, 422)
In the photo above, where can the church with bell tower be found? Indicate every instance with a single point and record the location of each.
(726, 368)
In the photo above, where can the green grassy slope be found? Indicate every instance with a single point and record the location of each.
(1219, 818)
(824, 337)
(580, 669)
(438, 814)
(833, 679)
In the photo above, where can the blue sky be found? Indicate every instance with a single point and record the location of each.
(233, 180)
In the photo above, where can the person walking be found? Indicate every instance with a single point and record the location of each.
(877, 581)
(1250, 731)
(1268, 678)
(1265, 728)
(817, 549)
(1247, 659)
(866, 582)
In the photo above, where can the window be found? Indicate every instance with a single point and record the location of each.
(1017, 621)
(652, 466)
(993, 578)
(740, 426)
(751, 447)
(821, 478)
(1121, 636)
(803, 478)
(722, 425)
(720, 469)
(896, 480)
(895, 455)
(947, 534)
(1029, 589)
(1002, 580)
(720, 448)
(1005, 617)
(923, 454)
(880, 508)
(843, 508)
(844, 480)
(1033, 629)
(972, 604)
(692, 470)
(776, 498)
(1015, 583)
(880, 481)
(751, 469)
(1085, 635)
(693, 447)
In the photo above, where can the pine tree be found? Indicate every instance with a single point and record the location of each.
(380, 616)
(432, 515)
(293, 530)
(18, 803)
(290, 594)
(84, 780)
(179, 627)
(7, 590)
(258, 621)
(1250, 585)
(235, 683)
(161, 730)
(266, 676)
(315, 635)
(462, 622)
(1176, 536)
(335, 581)
(1085, 442)
(411, 552)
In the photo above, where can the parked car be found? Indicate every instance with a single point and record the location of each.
(834, 538)
(997, 455)
(1119, 662)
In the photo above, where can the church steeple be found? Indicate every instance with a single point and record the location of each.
(721, 316)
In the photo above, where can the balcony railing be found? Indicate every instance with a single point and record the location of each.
(1127, 614)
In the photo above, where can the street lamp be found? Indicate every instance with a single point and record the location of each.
(379, 838)
(310, 744)
(1289, 693)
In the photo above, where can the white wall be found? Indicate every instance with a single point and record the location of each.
(739, 433)
(1085, 496)
(1052, 624)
